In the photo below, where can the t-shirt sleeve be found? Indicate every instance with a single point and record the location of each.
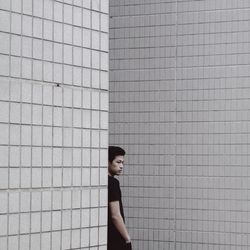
(113, 191)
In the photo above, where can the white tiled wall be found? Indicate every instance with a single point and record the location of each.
(53, 124)
(179, 100)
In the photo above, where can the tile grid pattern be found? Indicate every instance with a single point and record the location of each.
(142, 115)
(53, 139)
(182, 92)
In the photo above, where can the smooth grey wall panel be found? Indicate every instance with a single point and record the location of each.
(179, 100)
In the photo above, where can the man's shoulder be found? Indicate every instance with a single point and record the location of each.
(114, 191)
(113, 181)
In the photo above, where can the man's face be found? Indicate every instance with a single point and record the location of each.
(116, 166)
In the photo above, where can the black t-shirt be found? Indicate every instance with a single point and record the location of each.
(114, 194)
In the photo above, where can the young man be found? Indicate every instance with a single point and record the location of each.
(118, 237)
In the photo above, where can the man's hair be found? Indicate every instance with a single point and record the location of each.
(115, 151)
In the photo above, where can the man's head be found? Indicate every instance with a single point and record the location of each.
(116, 160)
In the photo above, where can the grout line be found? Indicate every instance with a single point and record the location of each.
(175, 122)
(31, 149)
(42, 136)
(81, 172)
(9, 119)
(90, 144)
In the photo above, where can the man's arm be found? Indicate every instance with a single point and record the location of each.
(118, 220)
